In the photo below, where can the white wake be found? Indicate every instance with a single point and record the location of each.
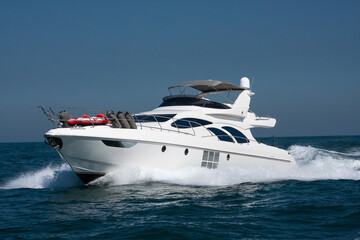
(60, 176)
(313, 164)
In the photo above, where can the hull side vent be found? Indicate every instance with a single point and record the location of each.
(119, 144)
(210, 159)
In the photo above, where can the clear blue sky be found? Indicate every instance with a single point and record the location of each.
(303, 55)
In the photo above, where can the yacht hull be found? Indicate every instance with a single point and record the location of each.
(93, 152)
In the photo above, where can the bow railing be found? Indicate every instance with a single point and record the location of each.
(153, 122)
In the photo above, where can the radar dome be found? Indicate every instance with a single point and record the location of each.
(245, 83)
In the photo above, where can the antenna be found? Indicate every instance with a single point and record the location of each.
(252, 83)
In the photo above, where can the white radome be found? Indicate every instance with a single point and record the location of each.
(245, 83)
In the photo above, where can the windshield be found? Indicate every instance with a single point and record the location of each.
(191, 101)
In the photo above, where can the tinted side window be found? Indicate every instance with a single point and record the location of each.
(153, 118)
(189, 122)
(222, 136)
(239, 137)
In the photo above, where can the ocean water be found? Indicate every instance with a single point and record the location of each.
(41, 198)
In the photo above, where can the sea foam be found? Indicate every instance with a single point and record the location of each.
(313, 164)
(59, 176)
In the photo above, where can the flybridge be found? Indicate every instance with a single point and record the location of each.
(228, 93)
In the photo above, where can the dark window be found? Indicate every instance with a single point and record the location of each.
(190, 122)
(153, 118)
(193, 101)
(221, 134)
(239, 137)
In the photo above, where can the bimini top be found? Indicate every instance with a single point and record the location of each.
(208, 86)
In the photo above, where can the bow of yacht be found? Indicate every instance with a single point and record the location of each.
(185, 130)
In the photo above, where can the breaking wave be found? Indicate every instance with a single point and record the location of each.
(316, 164)
(313, 164)
(60, 176)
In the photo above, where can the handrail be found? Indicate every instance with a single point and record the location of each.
(46, 111)
(175, 124)
(247, 140)
(55, 120)
(158, 123)
(89, 116)
(175, 119)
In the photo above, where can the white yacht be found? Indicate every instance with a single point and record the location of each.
(184, 131)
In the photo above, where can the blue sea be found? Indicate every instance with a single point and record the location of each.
(41, 198)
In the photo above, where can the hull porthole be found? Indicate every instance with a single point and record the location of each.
(186, 151)
(163, 149)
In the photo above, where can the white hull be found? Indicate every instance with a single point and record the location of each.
(84, 150)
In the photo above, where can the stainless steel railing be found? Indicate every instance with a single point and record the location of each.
(232, 138)
(56, 122)
(141, 123)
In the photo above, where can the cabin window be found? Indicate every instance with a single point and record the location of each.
(239, 136)
(222, 136)
(153, 118)
(210, 159)
(189, 122)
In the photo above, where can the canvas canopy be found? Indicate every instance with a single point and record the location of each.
(208, 86)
